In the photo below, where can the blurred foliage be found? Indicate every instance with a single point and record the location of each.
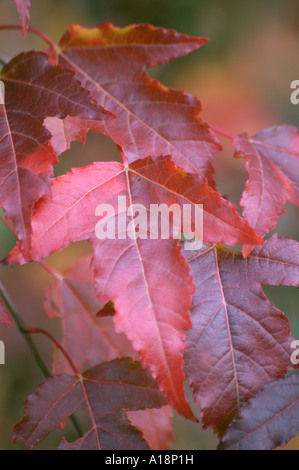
(224, 21)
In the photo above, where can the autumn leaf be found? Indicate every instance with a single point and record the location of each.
(23, 10)
(145, 182)
(5, 318)
(65, 131)
(88, 340)
(153, 304)
(272, 162)
(269, 420)
(239, 341)
(104, 391)
(156, 426)
(34, 90)
(152, 119)
(275, 263)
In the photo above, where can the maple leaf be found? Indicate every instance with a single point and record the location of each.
(156, 426)
(72, 298)
(272, 161)
(239, 341)
(5, 318)
(104, 391)
(34, 89)
(153, 305)
(269, 420)
(23, 10)
(65, 131)
(147, 181)
(152, 119)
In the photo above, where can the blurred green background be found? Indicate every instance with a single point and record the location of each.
(242, 76)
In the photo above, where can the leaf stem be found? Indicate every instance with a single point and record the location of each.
(38, 359)
(77, 373)
(37, 32)
(8, 225)
(34, 330)
(50, 270)
(222, 132)
(26, 334)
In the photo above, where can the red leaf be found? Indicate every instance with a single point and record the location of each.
(65, 131)
(149, 181)
(23, 10)
(34, 90)
(87, 339)
(275, 263)
(104, 392)
(152, 119)
(239, 341)
(156, 426)
(273, 166)
(269, 420)
(153, 304)
(5, 318)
